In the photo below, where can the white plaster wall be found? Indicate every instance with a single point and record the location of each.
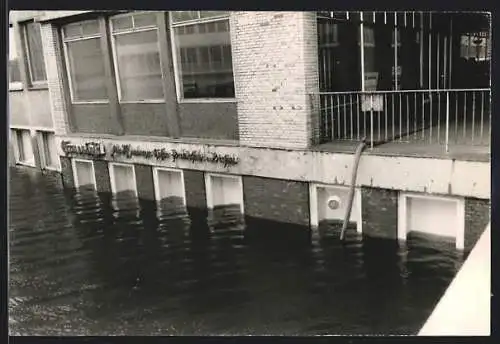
(123, 178)
(434, 176)
(170, 184)
(325, 212)
(430, 216)
(225, 190)
(84, 173)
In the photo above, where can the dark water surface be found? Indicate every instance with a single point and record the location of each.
(88, 264)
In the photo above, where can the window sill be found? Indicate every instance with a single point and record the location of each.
(90, 102)
(26, 163)
(52, 168)
(37, 87)
(151, 101)
(207, 100)
(16, 89)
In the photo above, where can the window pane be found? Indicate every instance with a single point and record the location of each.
(139, 66)
(209, 14)
(35, 52)
(14, 71)
(87, 69)
(46, 148)
(205, 62)
(144, 19)
(72, 31)
(20, 145)
(179, 16)
(121, 23)
(90, 28)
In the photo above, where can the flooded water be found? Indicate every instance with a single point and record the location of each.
(89, 264)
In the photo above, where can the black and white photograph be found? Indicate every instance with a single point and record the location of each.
(249, 173)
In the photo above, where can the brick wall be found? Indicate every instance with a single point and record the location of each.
(379, 208)
(275, 68)
(277, 200)
(67, 172)
(145, 184)
(477, 217)
(53, 66)
(101, 170)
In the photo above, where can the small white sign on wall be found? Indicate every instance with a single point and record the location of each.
(372, 102)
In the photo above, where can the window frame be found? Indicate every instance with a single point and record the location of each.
(16, 85)
(65, 42)
(112, 37)
(26, 48)
(75, 172)
(176, 63)
(42, 134)
(28, 152)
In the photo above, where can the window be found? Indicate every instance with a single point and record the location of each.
(137, 57)
(202, 54)
(23, 148)
(475, 46)
(47, 147)
(34, 53)
(14, 68)
(83, 173)
(84, 61)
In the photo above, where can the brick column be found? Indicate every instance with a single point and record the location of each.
(275, 61)
(55, 74)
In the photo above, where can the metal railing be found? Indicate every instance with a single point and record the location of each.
(440, 116)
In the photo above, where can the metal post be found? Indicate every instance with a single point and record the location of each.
(451, 52)
(362, 51)
(447, 120)
(371, 121)
(438, 76)
(395, 51)
(421, 43)
(430, 50)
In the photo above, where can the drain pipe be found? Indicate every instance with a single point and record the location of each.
(357, 157)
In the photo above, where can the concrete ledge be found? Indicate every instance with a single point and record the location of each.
(464, 310)
(424, 175)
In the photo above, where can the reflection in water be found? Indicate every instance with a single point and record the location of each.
(89, 263)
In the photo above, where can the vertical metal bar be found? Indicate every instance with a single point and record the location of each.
(413, 14)
(373, 17)
(407, 117)
(447, 121)
(385, 17)
(450, 54)
(347, 15)
(439, 117)
(395, 53)
(473, 113)
(438, 76)
(400, 118)
(344, 115)
(430, 50)
(456, 115)
(392, 123)
(415, 113)
(445, 60)
(362, 51)
(421, 43)
(357, 114)
(351, 119)
(482, 114)
(465, 113)
(405, 19)
(329, 57)
(371, 121)
(385, 113)
(378, 120)
(337, 115)
(423, 116)
(364, 116)
(430, 117)
(332, 116)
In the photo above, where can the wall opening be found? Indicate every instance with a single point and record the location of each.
(224, 198)
(123, 181)
(169, 190)
(84, 174)
(328, 206)
(439, 216)
(47, 149)
(23, 147)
